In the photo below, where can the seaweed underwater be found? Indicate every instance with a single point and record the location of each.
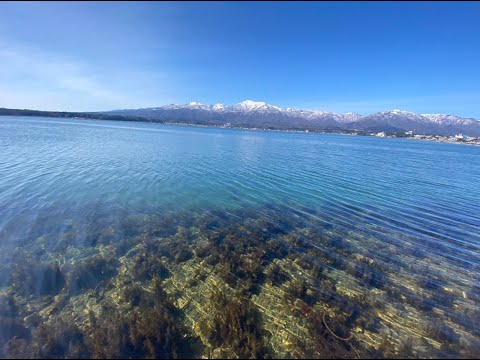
(259, 282)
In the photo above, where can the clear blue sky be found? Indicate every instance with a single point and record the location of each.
(338, 56)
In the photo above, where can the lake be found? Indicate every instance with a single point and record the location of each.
(126, 239)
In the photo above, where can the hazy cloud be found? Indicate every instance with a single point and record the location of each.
(33, 78)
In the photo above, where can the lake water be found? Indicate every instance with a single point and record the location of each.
(138, 239)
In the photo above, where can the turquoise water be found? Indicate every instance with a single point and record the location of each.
(398, 202)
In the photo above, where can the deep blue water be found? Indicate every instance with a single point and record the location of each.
(411, 195)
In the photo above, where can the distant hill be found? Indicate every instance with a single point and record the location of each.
(252, 114)
(70, 115)
(262, 115)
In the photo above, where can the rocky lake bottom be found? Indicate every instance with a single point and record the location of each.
(259, 282)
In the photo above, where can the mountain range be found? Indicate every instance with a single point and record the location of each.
(254, 114)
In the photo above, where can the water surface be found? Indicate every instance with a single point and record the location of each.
(313, 244)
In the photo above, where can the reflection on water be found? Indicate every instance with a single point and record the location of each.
(308, 262)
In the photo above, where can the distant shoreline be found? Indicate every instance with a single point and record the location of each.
(100, 117)
(430, 138)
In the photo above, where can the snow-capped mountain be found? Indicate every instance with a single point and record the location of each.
(251, 113)
(401, 113)
(448, 119)
(218, 107)
(350, 117)
(249, 105)
(257, 106)
(195, 105)
(399, 120)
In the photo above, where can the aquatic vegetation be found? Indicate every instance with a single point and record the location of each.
(8, 306)
(235, 328)
(134, 294)
(11, 325)
(441, 332)
(30, 277)
(150, 330)
(11, 328)
(276, 275)
(89, 273)
(230, 284)
(147, 265)
(204, 249)
(151, 333)
(298, 289)
(332, 340)
(58, 339)
(368, 274)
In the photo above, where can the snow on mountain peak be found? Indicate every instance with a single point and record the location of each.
(168, 107)
(349, 117)
(399, 112)
(402, 113)
(194, 103)
(447, 119)
(249, 105)
(218, 107)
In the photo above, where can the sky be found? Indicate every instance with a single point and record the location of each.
(359, 57)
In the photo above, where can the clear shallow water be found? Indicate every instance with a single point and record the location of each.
(360, 208)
